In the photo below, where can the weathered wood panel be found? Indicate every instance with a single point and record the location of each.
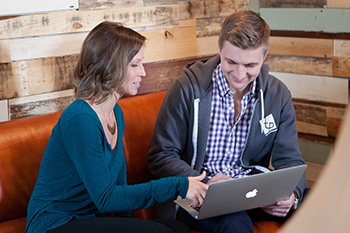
(103, 4)
(341, 48)
(300, 65)
(210, 8)
(160, 75)
(310, 113)
(333, 126)
(227, 7)
(209, 26)
(341, 66)
(191, 10)
(160, 45)
(170, 44)
(338, 3)
(36, 76)
(40, 107)
(5, 51)
(336, 112)
(46, 46)
(316, 88)
(7, 82)
(307, 128)
(30, 77)
(4, 116)
(301, 46)
(293, 3)
(84, 21)
(207, 45)
(312, 34)
(307, 19)
(159, 2)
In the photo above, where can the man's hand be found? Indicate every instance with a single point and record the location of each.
(280, 208)
(196, 189)
(219, 177)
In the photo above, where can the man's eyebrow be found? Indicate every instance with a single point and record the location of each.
(233, 61)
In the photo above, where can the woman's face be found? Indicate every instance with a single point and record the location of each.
(134, 75)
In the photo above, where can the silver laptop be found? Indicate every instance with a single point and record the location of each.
(246, 193)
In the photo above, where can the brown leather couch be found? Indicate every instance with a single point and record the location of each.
(22, 143)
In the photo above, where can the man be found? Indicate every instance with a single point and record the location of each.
(229, 117)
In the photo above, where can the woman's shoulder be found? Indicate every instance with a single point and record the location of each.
(78, 110)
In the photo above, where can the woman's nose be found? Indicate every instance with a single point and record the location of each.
(142, 72)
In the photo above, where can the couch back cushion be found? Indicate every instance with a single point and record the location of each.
(22, 144)
(140, 113)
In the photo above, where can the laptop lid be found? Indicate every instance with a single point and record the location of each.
(246, 193)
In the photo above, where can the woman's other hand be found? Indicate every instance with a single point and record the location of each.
(197, 189)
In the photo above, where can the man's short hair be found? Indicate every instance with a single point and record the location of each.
(245, 30)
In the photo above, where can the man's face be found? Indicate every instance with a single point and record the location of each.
(240, 66)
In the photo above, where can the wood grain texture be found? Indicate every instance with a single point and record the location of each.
(5, 51)
(338, 3)
(341, 67)
(341, 48)
(307, 128)
(207, 27)
(158, 2)
(210, 8)
(311, 34)
(312, 114)
(4, 116)
(160, 45)
(103, 4)
(301, 46)
(191, 10)
(170, 44)
(84, 21)
(36, 76)
(160, 75)
(333, 126)
(40, 107)
(300, 65)
(293, 3)
(316, 88)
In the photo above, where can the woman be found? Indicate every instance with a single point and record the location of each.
(83, 172)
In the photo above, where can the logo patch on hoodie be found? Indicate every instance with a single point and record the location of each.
(268, 125)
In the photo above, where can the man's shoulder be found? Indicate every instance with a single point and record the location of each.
(198, 74)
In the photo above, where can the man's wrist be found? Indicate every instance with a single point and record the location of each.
(295, 201)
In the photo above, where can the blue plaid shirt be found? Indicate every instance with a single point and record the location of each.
(226, 137)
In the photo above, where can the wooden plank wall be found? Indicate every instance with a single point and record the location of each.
(38, 52)
(310, 52)
(314, 61)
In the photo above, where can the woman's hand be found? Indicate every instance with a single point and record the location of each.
(196, 189)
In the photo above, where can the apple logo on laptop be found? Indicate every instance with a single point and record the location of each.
(252, 193)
